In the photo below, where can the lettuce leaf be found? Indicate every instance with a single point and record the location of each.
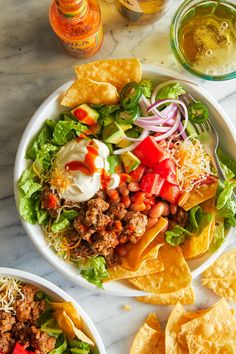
(147, 87)
(170, 91)
(94, 270)
(225, 194)
(67, 130)
(78, 344)
(113, 161)
(177, 235)
(226, 205)
(44, 135)
(218, 238)
(226, 160)
(60, 224)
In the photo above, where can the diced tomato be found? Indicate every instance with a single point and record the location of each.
(125, 177)
(19, 349)
(82, 116)
(167, 170)
(138, 173)
(151, 183)
(51, 201)
(149, 152)
(170, 192)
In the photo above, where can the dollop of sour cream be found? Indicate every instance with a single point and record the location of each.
(79, 170)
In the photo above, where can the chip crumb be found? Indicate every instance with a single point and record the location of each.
(127, 308)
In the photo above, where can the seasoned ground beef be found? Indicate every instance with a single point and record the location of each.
(117, 211)
(6, 321)
(112, 259)
(98, 203)
(180, 218)
(135, 226)
(83, 250)
(22, 328)
(96, 219)
(6, 343)
(41, 341)
(50, 201)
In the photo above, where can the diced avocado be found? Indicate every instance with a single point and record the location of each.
(132, 133)
(113, 133)
(85, 114)
(190, 130)
(125, 126)
(130, 161)
(124, 143)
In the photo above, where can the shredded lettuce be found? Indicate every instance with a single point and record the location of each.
(66, 130)
(94, 270)
(226, 160)
(198, 219)
(177, 235)
(61, 345)
(44, 135)
(60, 224)
(79, 347)
(70, 214)
(147, 87)
(170, 91)
(226, 205)
(114, 162)
(225, 194)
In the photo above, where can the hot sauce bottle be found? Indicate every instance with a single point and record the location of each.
(78, 25)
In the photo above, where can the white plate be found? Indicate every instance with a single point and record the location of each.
(50, 109)
(57, 295)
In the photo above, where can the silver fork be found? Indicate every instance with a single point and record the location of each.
(208, 137)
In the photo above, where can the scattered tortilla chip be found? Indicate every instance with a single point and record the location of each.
(173, 327)
(216, 325)
(199, 244)
(184, 296)
(149, 338)
(148, 266)
(117, 72)
(198, 345)
(176, 274)
(89, 91)
(136, 252)
(197, 196)
(222, 287)
(191, 315)
(70, 310)
(68, 327)
(223, 267)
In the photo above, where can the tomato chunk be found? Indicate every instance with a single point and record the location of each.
(167, 170)
(50, 201)
(170, 192)
(19, 349)
(151, 183)
(82, 116)
(138, 173)
(149, 152)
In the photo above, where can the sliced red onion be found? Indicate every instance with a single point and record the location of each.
(131, 147)
(171, 130)
(154, 128)
(181, 130)
(143, 106)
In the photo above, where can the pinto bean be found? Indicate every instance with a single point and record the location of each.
(151, 222)
(133, 187)
(157, 210)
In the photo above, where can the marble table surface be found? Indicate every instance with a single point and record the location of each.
(32, 65)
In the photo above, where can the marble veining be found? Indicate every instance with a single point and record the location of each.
(32, 65)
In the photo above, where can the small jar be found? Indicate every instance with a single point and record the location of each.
(142, 11)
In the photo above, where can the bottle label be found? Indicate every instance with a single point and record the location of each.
(84, 47)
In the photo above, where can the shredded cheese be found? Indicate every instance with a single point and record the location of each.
(193, 163)
(10, 291)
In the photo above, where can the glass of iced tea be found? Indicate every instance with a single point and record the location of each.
(203, 38)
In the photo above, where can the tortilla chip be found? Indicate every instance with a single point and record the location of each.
(70, 310)
(176, 274)
(161, 345)
(184, 296)
(89, 91)
(149, 338)
(223, 267)
(199, 244)
(216, 325)
(117, 72)
(197, 196)
(68, 327)
(191, 315)
(222, 287)
(175, 321)
(136, 252)
(198, 345)
(147, 267)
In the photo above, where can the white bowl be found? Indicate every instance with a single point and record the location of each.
(50, 109)
(57, 295)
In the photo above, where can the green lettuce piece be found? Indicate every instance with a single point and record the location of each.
(219, 237)
(77, 346)
(94, 270)
(177, 235)
(113, 161)
(170, 91)
(107, 111)
(195, 216)
(226, 205)
(70, 214)
(41, 214)
(61, 345)
(60, 225)
(44, 136)
(226, 160)
(227, 172)
(27, 210)
(67, 130)
(225, 194)
(43, 160)
(147, 87)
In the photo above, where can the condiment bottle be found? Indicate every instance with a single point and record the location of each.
(142, 11)
(78, 25)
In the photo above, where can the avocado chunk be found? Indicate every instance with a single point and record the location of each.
(85, 114)
(130, 161)
(125, 126)
(113, 133)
